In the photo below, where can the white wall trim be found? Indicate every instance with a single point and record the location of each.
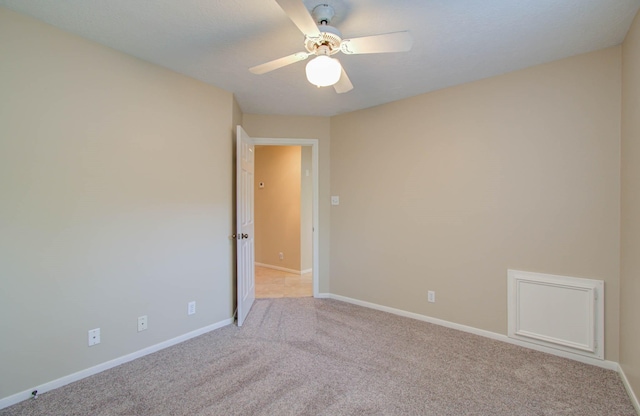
(627, 386)
(282, 269)
(610, 365)
(63, 381)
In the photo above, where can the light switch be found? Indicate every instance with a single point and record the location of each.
(335, 200)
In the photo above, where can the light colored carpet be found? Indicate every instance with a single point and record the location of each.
(309, 356)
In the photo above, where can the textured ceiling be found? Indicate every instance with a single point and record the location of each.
(455, 41)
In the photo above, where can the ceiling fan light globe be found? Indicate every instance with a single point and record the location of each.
(323, 71)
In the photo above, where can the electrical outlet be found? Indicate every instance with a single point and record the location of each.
(142, 323)
(281, 256)
(431, 296)
(94, 337)
(191, 308)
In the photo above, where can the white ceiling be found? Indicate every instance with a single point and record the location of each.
(455, 41)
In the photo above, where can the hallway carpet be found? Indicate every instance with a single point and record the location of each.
(305, 356)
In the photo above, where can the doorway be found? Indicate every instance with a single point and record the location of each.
(283, 221)
(287, 259)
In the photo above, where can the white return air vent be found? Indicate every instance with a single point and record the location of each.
(561, 312)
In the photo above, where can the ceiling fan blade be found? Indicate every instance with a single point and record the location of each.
(279, 63)
(344, 83)
(300, 16)
(391, 42)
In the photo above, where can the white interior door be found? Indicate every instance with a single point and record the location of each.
(245, 153)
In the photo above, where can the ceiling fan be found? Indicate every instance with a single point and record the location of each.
(324, 40)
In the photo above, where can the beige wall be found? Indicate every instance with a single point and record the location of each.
(306, 210)
(296, 127)
(630, 275)
(446, 191)
(277, 206)
(115, 184)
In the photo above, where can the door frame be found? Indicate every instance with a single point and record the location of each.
(262, 141)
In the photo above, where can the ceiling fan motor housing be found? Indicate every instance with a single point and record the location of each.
(329, 36)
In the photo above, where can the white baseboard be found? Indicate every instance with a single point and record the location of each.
(627, 386)
(610, 365)
(63, 381)
(282, 269)
(43, 388)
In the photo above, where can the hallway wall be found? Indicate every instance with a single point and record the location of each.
(277, 206)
